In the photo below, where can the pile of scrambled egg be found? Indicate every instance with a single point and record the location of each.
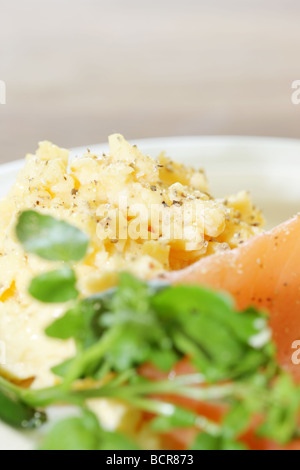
(87, 192)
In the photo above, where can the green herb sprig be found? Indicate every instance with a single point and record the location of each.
(115, 332)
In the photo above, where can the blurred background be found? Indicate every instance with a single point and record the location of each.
(78, 70)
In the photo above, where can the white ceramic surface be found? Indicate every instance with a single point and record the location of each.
(269, 168)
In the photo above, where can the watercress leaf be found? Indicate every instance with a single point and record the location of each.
(62, 369)
(281, 418)
(180, 300)
(251, 361)
(202, 324)
(233, 445)
(50, 238)
(164, 359)
(251, 325)
(116, 441)
(142, 333)
(131, 294)
(237, 421)
(217, 342)
(55, 286)
(142, 337)
(16, 413)
(130, 350)
(78, 433)
(180, 418)
(206, 441)
(81, 322)
(69, 326)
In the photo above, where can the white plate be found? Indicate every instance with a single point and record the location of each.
(269, 168)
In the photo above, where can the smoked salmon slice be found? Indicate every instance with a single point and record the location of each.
(264, 272)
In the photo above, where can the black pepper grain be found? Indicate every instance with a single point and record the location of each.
(177, 203)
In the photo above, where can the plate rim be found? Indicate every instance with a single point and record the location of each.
(153, 142)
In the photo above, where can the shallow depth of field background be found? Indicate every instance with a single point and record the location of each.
(78, 70)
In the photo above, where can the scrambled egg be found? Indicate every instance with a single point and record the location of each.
(89, 192)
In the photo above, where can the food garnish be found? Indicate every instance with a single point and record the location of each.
(117, 331)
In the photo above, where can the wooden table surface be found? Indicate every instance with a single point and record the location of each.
(78, 70)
